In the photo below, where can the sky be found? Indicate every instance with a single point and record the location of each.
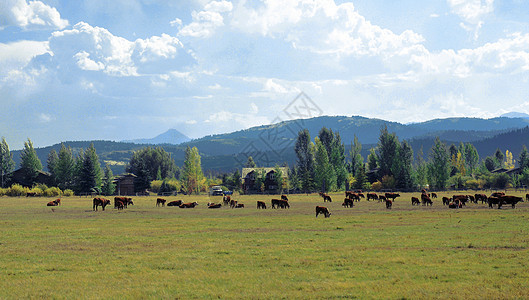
(127, 69)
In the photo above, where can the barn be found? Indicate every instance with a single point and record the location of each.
(125, 184)
(249, 178)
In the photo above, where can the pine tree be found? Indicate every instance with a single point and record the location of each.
(65, 168)
(109, 188)
(52, 161)
(402, 166)
(357, 161)
(523, 159)
(90, 175)
(305, 160)
(471, 157)
(421, 170)
(30, 163)
(387, 151)
(7, 165)
(150, 164)
(236, 180)
(250, 163)
(325, 178)
(372, 160)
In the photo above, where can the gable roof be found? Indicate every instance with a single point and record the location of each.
(246, 171)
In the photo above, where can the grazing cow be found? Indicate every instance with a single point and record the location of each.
(462, 199)
(188, 205)
(175, 203)
(455, 204)
(426, 200)
(480, 197)
(325, 197)
(415, 201)
(239, 205)
(160, 201)
(284, 197)
(389, 203)
(381, 198)
(261, 205)
(497, 194)
(213, 205)
(284, 204)
(126, 201)
(372, 196)
(322, 210)
(52, 203)
(119, 205)
(493, 201)
(347, 202)
(472, 199)
(446, 200)
(434, 196)
(512, 200)
(100, 202)
(392, 196)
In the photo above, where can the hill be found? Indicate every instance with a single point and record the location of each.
(273, 144)
(171, 137)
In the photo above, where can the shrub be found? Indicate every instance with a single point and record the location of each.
(388, 181)
(16, 190)
(67, 193)
(52, 192)
(155, 185)
(377, 186)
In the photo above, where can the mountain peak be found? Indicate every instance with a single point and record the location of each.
(514, 114)
(171, 136)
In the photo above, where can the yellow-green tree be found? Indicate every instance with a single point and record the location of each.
(193, 178)
(509, 161)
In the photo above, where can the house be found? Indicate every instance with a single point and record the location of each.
(19, 177)
(125, 184)
(249, 177)
(507, 171)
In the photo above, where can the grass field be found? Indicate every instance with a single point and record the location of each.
(363, 252)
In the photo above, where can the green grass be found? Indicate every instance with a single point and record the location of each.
(363, 252)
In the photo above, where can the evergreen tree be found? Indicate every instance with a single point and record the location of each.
(236, 180)
(90, 175)
(357, 161)
(65, 168)
(372, 160)
(421, 170)
(337, 160)
(325, 178)
(52, 161)
(490, 163)
(387, 151)
(192, 178)
(250, 163)
(523, 159)
(79, 161)
(439, 165)
(360, 178)
(279, 180)
(30, 163)
(402, 167)
(149, 164)
(109, 188)
(498, 158)
(305, 160)
(471, 157)
(7, 165)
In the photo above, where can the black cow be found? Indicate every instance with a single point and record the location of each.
(175, 203)
(261, 205)
(322, 210)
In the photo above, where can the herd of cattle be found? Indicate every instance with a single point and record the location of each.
(497, 199)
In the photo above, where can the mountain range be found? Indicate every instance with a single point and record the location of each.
(274, 144)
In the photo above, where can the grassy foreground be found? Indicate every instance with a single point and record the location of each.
(362, 252)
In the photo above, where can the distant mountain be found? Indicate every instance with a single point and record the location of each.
(171, 137)
(513, 114)
(274, 144)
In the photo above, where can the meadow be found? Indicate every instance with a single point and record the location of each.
(363, 252)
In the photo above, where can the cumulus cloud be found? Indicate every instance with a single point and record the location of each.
(472, 12)
(16, 55)
(206, 22)
(32, 15)
(96, 49)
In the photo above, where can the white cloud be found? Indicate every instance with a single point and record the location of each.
(206, 22)
(472, 12)
(16, 55)
(176, 23)
(46, 118)
(32, 15)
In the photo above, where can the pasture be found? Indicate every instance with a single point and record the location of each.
(367, 251)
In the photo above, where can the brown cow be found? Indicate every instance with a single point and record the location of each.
(446, 200)
(322, 210)
(233, 203)
(434, 196)
(325, 197)
(389, 203)
(261, 205)
(392, 196)
(58, 201)
(239, 205)
(512, 200)
(497, 194)
(189, 205)
(426, 200)
(52, 203)
(372, 196)
(119, 205)
(126, 201)
(381, 198)
(354, 196)
(462, 199)
(280, 203)
(160, 201)
(480, 197)
(415, 201)
(347, 202)
(175, 203)
(100, 202)
(284, 197)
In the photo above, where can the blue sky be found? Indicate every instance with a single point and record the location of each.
(125, 69)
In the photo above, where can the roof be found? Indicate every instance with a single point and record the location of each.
(507, 171)
(246, 171)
